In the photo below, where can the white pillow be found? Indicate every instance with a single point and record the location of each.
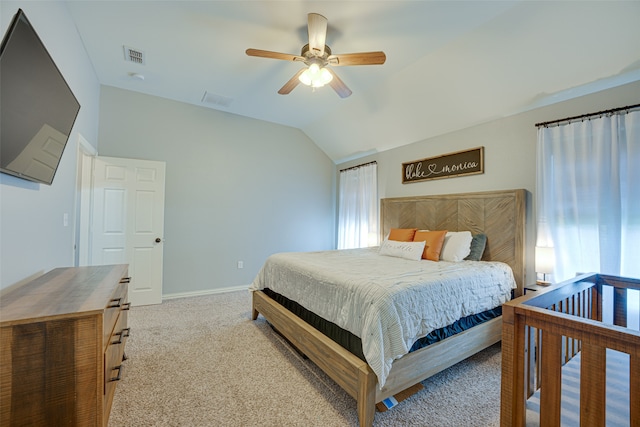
(456, 246)
(406, 250)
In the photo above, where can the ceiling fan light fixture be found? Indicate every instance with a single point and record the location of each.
(316, 55)
(325, 76)
(315, 76)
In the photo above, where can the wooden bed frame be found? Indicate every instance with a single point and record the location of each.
(543, 330)
(498, 214)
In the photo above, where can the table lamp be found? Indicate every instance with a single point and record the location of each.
(545, 262)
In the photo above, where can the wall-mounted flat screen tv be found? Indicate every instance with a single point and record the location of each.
(37, 107)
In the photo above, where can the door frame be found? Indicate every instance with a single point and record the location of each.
(85, 153)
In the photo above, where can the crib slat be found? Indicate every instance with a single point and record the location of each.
(592, 385)
(512, 401)
(551, 386)
(620, 307)
(538, 357)
(634, 389)
(596, 303)
(531, 357)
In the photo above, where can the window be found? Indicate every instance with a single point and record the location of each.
(358, 207)
(588, 196)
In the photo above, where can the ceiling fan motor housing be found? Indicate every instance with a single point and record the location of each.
(307, 53)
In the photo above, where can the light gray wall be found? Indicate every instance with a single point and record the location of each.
(510, 153)
(33, 238)
(237, 189)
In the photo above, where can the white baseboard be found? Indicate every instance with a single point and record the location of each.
(205, 292)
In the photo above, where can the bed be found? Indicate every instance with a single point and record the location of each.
(500, 215)
(570, 356)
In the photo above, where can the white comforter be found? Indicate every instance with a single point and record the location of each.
(388, 302)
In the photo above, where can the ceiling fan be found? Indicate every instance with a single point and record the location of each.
(317, 56)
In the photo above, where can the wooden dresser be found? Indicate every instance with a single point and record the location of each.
(62, 339)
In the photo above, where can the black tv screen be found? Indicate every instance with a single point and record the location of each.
(37, 107)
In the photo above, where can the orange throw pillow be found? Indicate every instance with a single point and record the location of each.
(434, 241)
(402, 234)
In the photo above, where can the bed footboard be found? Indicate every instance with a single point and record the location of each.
(544, 330)
(347, 370)
(354, 375)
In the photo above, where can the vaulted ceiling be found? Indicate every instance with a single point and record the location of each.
(450, 64)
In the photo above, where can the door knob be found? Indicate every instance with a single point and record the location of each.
(158, 240)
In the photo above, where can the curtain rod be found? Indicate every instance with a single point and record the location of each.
(359, 166)
(584, 116)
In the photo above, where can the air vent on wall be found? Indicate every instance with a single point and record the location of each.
(133, 55)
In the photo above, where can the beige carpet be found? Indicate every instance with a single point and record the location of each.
(201, 361)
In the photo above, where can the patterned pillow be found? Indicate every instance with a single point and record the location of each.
(406, 250)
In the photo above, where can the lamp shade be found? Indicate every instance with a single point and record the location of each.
(545, 260)
(315, 76)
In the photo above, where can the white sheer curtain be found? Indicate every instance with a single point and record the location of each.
(588, 195)
(358, 207)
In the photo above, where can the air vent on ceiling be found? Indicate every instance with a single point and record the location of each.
(218, 100)
(133, 55)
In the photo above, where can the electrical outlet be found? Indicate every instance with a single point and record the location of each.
(240, 264)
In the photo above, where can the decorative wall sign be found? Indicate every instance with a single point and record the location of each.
(468, 162)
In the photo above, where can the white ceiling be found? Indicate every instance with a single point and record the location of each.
(450, 64)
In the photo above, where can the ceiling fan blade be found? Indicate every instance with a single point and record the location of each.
(362, 58)
(273, 55)
(291, 84)
(338, 85)
(317, 27)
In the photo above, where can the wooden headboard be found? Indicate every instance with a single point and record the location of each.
(498, 214)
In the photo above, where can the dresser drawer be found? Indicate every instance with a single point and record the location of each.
(113, 357)
(113, 360)
(118, 303)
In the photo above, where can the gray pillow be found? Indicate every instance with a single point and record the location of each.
(478, 243)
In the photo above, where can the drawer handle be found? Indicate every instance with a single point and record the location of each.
(114, 303)
(117, 377)
(125, 280)
(122, 334)
(126, 306)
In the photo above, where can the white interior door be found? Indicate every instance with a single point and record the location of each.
(128, 222)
